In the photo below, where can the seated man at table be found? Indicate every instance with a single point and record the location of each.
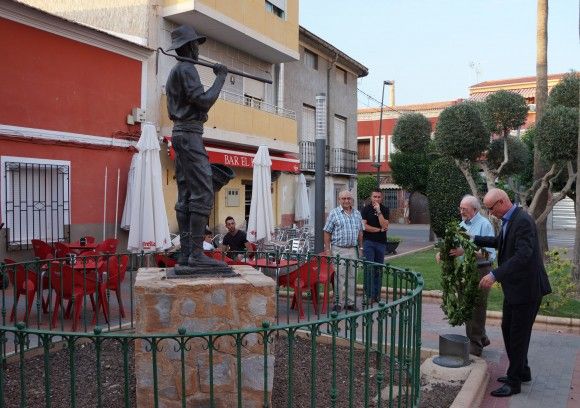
(235, 240)
(208, 240)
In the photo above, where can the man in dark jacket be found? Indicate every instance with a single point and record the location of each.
(523, 280)
(187, 105)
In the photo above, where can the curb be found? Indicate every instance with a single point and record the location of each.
(389, 257)
(473, 390)
(492, 314)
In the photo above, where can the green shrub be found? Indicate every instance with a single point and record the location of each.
(365, 186)
(445, 188)
(558, 270)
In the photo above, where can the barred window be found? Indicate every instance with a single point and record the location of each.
(35, 200)
(390, 199)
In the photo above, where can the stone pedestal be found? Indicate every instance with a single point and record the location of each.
(201, 305)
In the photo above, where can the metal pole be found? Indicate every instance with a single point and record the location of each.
(378, 163)
(320, 172)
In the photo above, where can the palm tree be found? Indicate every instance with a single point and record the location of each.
(541, 99)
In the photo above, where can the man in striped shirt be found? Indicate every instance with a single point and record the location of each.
(343, 237)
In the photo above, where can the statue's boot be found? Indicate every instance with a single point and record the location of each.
(197, 226)
(184, 236)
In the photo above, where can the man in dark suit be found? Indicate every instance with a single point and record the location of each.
(523, 281)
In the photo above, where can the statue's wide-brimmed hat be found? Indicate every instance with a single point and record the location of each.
(184, 34)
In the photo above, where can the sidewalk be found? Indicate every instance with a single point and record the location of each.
(554, 350)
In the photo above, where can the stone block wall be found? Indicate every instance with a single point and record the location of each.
(201, 305)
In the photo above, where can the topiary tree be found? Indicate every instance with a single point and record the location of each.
(504, 111)
(410, 170)
(365, 186)
(565, 93)
(462, 136)
(445, 188)
(412, 133)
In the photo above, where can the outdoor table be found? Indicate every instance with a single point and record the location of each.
(78, 248)
(279, 267)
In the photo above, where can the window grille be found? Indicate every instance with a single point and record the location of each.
(390, 199)
(36, 201)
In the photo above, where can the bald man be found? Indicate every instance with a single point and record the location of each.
(523, 281)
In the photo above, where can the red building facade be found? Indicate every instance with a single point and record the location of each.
(67, 90)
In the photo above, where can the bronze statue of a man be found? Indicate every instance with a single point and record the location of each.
(188, 104)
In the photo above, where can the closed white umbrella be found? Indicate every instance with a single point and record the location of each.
(149, 229)
(301, 205)
(126, 218)
(261, 221)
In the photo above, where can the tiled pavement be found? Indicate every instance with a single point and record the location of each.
(554, 358)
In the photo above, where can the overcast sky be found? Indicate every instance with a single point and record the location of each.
(432, 49)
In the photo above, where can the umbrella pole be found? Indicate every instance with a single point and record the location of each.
(105, 203)
(117, 201)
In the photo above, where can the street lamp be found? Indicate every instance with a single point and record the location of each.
(378, 162)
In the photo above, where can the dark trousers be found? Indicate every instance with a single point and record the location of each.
(373, 252)
(475, 327)
(516, 327)
(192, 171)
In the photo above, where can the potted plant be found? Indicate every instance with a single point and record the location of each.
(392, 244)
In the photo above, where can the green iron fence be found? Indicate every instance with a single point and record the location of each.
(369, 357)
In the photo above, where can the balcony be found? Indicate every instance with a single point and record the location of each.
(343, 161)
(257, 104)
(338, 161)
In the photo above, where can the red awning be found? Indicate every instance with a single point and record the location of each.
(242, 158)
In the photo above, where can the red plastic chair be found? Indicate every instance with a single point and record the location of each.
(90, 240)
(307, 277)
(108, 246)
(61, 249)
(165, 261)
(115, 275)
(24, 283)
(322, 274)
(41, 249)
(73, 286)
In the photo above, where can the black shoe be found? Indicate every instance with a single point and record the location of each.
(337, 308)
(506, 390)
(475, 352)
(485, 342)
(504, 379)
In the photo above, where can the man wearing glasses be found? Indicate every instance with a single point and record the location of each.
(523, 281)
(476, 224)
(343, 235)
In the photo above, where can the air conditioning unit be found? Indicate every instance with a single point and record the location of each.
(532, 107)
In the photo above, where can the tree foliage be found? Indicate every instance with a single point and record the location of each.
(504, 111)
(412, 133)
(520, 158)
(459, 276)
(460, 132)
(445, 188)
(365, 186)
(558, 134)
(410, 170)
(566, 92)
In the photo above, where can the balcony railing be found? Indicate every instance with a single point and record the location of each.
(343, 161)
(308, 156)
(257, 104)
(340, 161)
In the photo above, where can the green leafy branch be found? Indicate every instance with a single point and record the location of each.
(459, 276)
